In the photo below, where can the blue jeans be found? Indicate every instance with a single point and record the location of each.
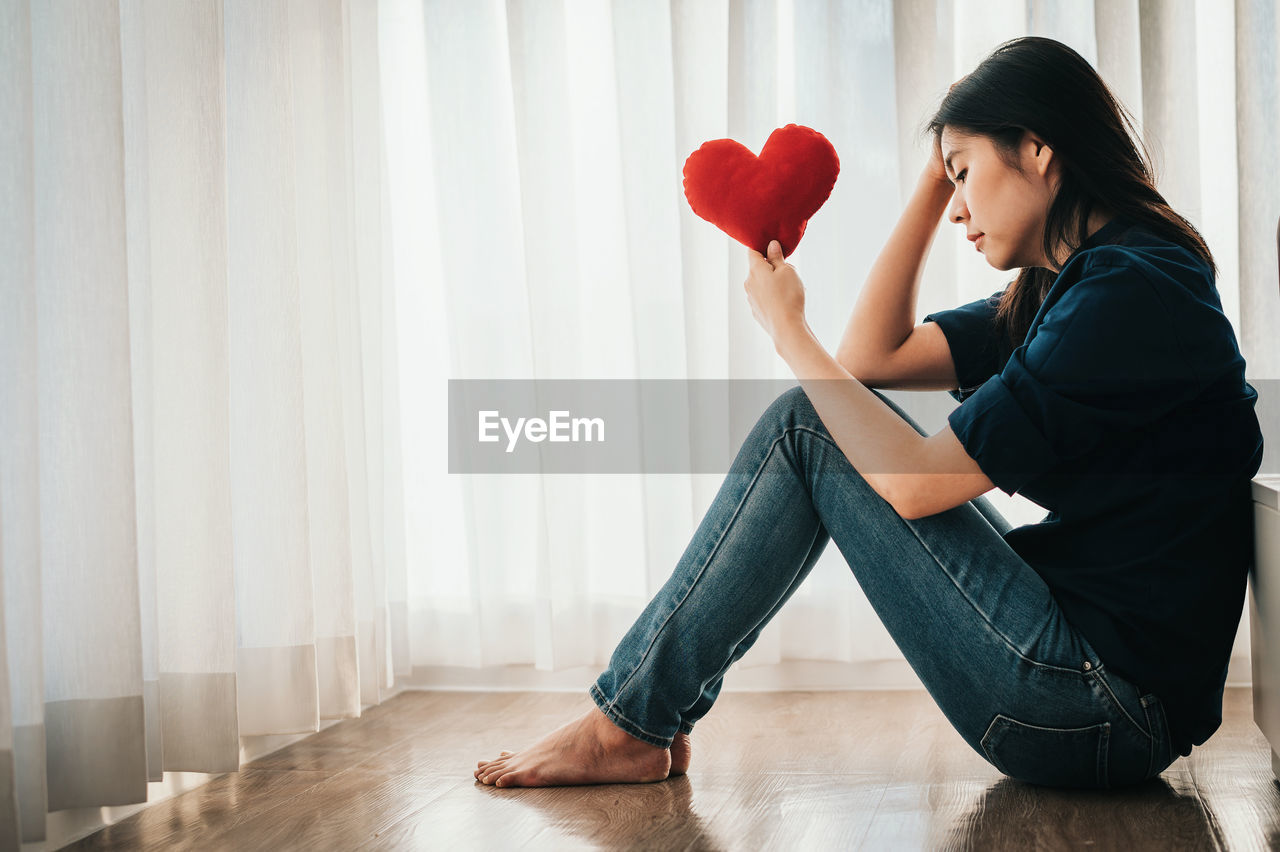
(976, 623)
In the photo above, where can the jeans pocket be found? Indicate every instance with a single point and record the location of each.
(1053, 757)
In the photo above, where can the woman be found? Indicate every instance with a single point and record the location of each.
(1104, 383)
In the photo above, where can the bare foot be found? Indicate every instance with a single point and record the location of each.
(588, 750)
(681, 754)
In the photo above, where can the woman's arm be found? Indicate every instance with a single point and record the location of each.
(916, 475)
(883, 317)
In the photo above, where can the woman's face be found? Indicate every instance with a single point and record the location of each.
(1006, 207)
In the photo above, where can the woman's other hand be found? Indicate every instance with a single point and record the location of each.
(774, 291)
(935, 169)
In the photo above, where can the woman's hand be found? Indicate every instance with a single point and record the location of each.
(775, 292)
(935, 168)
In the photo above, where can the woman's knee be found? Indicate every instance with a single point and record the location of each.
(793, 407)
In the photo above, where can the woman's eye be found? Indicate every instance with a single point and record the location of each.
(960, 176)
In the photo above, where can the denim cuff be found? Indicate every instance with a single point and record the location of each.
(624, 723)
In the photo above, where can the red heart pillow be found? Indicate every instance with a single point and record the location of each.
(770, 197)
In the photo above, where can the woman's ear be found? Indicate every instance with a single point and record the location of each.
(1038, 152)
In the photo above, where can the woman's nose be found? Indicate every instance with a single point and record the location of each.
(957, 212)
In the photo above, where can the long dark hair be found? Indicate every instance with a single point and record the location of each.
(1043, 86)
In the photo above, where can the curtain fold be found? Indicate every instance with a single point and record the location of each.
(19, 464)
(357, 292)
(322, 115)
(247, 243)
(137, 248)
(270, 514)
(95, 747)
(178, 285)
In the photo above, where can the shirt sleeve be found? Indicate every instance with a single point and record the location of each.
(1105, 358)
(971, 336)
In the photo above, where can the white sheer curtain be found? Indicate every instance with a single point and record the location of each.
(246, 243)
(202, 524)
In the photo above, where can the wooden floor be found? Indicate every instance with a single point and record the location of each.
(795, 770)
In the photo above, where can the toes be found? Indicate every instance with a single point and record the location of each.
(489, 768)
(500, 756)
(502, 774)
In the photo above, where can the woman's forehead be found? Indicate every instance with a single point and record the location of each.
(953, 140)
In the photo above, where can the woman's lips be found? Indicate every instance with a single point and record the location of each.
(977, 244)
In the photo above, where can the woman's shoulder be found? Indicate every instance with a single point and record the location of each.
(1141, 258)
(1149, 289)
(1139, 247)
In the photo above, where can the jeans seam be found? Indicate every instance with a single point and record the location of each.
(1116, 701)
(723, 670)
(1161, 720)
(728, 526)
(1151, 761)
(1104, 755)
(1007, 641)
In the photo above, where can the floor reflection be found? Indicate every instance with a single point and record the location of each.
(1163, 813)
(621, 816)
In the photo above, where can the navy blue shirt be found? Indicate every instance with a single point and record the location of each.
(1126, 414)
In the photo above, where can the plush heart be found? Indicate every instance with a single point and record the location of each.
(769, 197)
